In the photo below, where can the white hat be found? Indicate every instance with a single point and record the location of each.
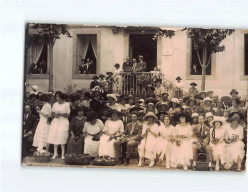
(195, 115)
(112, 96)
(150, 104)
(150, 114)
(207, 99)
(219, 119)
(209, 114)
(175, 100)
(35, 87)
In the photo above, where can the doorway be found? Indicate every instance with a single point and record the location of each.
(143, 44)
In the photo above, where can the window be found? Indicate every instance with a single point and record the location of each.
(87, 54)
(195, 67)
(37, 58)
(246, 53)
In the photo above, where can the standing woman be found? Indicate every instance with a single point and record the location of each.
(163, 143)
(40, 136)
(92, 132)
(76, 140)
(235, 151)
(182, 149)
(147, 147)
(217, 143)
(59, 129)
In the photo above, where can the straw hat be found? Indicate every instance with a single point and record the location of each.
(195, 115)
(112, 96)
(207, 99)
(209, 114)
(150, 114)
(219, 119)
(234, 91)
(175, 100)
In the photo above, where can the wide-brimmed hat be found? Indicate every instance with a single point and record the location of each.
(209, 114)
(150, 114)
(109, 73)
(140, 113)
(178, 78)
(95, 77)
(233, 119)
(136, 109)
(102, 76)
(91, 115)
(219, 119)
(194, 115)
(150, 104)
(35, 87)
(184, 114)
(203, 92)
(193, 84)
(130, 97)
(175, 100)
(151, 100)
(113, 96)
(234, 91)
(137, 100)
(207, 99)
(235, 113)
(158, 80)
(164, 92)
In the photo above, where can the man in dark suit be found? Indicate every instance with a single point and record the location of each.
(94, 82)
(88, 68)
(131, 138)
(29, 126)
(202, 134)
(142, 64)
(127, 66)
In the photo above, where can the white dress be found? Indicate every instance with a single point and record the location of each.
(219, 148)
(41, 132)
(183, 153)
(91, 147)
(148, 146)
(163, 144)
(234, 149)
(106, 147)
(59, 129)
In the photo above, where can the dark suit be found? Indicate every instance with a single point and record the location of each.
(127, 67)
(132, 138)
(142, 65)
(197, 72)
(29, 127)
(93, 84)
(88, 69)
(202, 135)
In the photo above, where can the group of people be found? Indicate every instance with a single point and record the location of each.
(87, 67)
(157, 126)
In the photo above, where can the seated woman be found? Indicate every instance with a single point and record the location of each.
(234, 143)
(76, 140)
(182, 146)
(218, 110)
(163, 141)
(112, 101)
(92, 131)
(112, 132)
(174, 107)
(147, 147)
(217, 144)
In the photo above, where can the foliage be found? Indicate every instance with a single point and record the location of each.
(49, 33)
(72, 88)
(163, 33)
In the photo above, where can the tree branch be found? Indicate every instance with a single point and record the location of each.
(199, 57)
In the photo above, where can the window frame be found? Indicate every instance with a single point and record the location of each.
(75, 62)
(189, 63)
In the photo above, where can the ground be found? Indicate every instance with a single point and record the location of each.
(29, 161)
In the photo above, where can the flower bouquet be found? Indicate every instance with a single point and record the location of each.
(77, 159)
(42, 156)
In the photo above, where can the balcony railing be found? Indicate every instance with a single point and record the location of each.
(135, 83)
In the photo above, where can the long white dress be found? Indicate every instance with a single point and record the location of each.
(91, 147)
(59, 129)
(234, 149)
(41, 132)
(163, 144)
(148, 146)
(219, 148)
(106, 147)
(182, 154)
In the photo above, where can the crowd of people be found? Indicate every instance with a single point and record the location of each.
(158, 127)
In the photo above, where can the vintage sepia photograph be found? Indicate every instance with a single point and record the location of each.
(135, 97)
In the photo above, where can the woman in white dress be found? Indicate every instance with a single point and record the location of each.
(147, 147)
(217, 141)
(92, 131)
(235, 151)
(41, 133)
(112, 132)
(163, 141)
(59, 129)
(182, 143)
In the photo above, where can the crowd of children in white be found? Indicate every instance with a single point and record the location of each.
(172, 130)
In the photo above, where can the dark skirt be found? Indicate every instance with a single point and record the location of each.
(75, 146)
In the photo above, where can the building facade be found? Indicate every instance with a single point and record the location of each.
(109, 45)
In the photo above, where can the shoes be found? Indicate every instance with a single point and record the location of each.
(62, 157)
(140, 163)
(55, 156)
(121, 161)
(126, 162)
(152, 163)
